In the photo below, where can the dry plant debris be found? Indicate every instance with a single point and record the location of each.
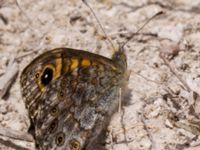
(163, 110)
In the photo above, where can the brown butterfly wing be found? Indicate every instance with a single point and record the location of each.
(69, 95)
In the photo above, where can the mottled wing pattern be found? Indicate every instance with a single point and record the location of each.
(69, 95)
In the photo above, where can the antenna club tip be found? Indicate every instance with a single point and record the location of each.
(85, 2)
(159, 13)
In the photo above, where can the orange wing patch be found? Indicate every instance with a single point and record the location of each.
(74, 63)
(85, 62)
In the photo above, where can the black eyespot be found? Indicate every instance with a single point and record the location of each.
(47, 76)
(54, 111)
(37, 75)
(60, 139)
(53, 126)
(74, 144)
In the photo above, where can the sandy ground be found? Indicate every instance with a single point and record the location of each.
(163, 111)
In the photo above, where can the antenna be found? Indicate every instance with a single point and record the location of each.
(121, 48)
(157, 14)
(84, 1)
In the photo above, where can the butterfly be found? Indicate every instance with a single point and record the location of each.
(70, 95)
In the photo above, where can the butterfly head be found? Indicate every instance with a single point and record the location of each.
(120, 58)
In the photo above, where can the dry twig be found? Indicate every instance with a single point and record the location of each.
(14, 134)
(148, 132)
(7, 79)
(174, 72)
